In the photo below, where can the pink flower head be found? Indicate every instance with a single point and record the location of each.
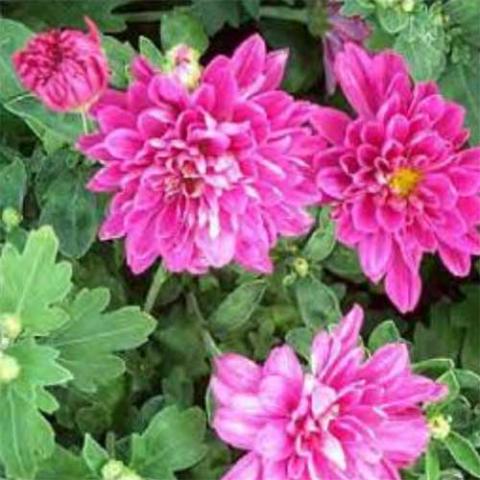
(350, 418)
(341, 30)
(204, 177)
(66, 69)
(396, 175)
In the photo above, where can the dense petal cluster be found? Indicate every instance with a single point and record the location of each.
(350, 418)
(66, 69)
(204, 176)
(398, 179)
(341, 30)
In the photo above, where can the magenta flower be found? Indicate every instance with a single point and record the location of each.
(397, 177)
(66, 69)
(341, 30)
(205, 176)
(351, 418)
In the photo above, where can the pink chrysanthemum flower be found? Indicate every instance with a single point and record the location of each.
(351, 418)
(204, 176)
(66, 69)
(397, 177)
(341, 30)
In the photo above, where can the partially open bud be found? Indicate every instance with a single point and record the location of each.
(10, 326)
(408, 5)
(439, 427)
(9, 368)
(301, 266)
(183, 62)
(11, 218)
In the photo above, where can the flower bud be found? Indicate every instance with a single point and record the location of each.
(11, 218)
(183, 62)
(408, 5)
(10, 326)
(112, 470)
(9, 368)
(301, 267)
(439, 427)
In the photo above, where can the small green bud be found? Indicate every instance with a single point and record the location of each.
(11, 218)
(9, 368)
(130, 476)
(301, 267)
(10, 326)
(289, 279)
(408, 5)
(439, 427)
(113, 470)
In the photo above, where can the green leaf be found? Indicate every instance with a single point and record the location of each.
(26, 437)
(13, 185)
(465, 13)
(63, 465)
(460, 83)
(386, 332)
(72, 211)
(179, 27)
(463, 453)
(120, 56)
(214, 15)
(423, 44)
(300, 339)
(93, 454)
(317, 303)
(172, 442)
(392, 19)
(38, 366)
(252, 7)
(432, 463)
(434, 367)
(68, 126)
(322, 241)
(71, 13)
(362, 8)
(302, 72)
(450, 380)
(32, 282)
(14, 37)
(344, 263)
(236, 310)
(89, 339)
(150, 51)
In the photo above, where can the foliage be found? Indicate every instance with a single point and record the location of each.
(90, 383)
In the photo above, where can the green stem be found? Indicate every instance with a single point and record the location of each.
(285, 13)
(208, 341)
(84, 121)
(158, 280)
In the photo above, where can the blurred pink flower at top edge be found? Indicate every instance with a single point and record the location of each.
(349, 418)
(341, 30)
(397, 175)
(66, 69)
(203, 175)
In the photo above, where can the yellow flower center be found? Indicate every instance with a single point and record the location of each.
(404, 180)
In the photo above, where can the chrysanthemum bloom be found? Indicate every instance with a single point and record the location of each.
(341, 30)
(351, 418)
(66, 69)
(398, 179)
(205, 176)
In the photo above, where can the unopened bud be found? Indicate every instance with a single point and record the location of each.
(11, 218)
(112, 470)
(439, 427)
(408, 5)
(183, 62)
(9, 368)
(10, 326)
(301, 266)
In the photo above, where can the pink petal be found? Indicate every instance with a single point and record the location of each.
(330, 124)
(249, 467)
(458, 262)
(374, 251)
(273, 442)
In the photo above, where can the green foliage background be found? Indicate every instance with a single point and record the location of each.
(103, 384)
